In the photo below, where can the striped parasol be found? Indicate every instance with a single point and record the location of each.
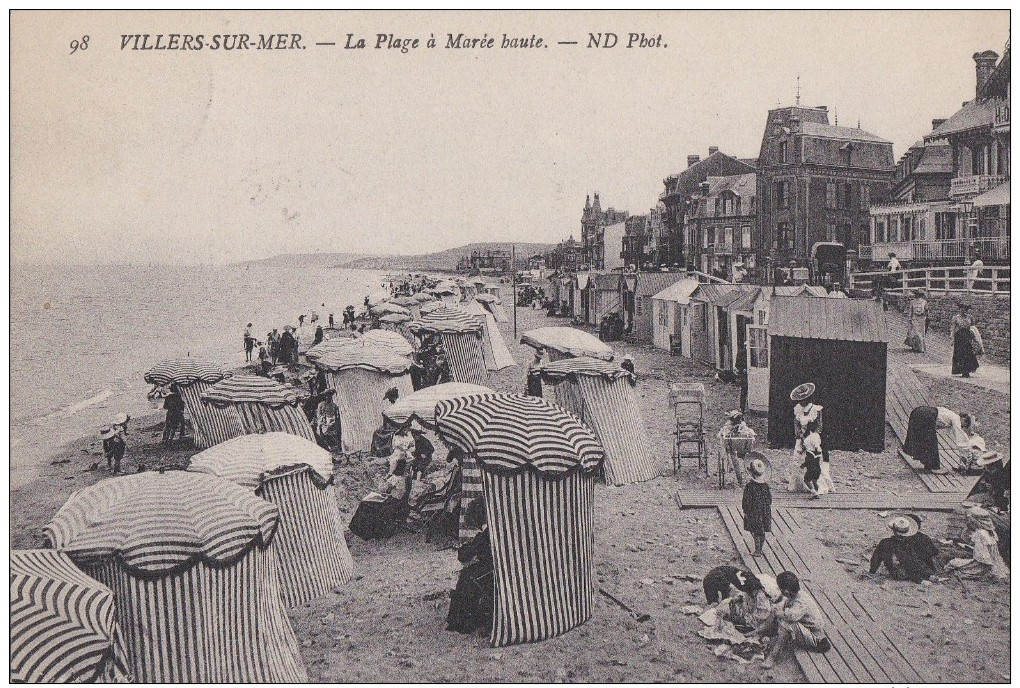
(422, 404)
(446, 319)
(154, 523)
(583, 365)
(509, 432)
(387, 340)
(369, 357)
(430, 306)
(387, 308)
(185, 371)
(329, 346)
(423, 297)
(395, 318)
(568, 341)
(250, 389)
(63, 623)
(404, 301)
(249, 460)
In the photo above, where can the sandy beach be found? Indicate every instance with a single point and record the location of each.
(389, 623)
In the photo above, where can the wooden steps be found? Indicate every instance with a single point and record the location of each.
(916, 501)
(861, 651)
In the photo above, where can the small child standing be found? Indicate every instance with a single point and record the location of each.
(757, 505)
(812, 457)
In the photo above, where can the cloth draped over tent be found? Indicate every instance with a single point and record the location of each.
(537, 467)
(421, 405)
(63, 623)
(361, 377)
(297, 476)
(567, 342)
(602, 396)
(461, 335)
(192, 377)
(189, 561)
(262, 405)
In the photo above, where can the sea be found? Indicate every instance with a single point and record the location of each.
(82, 337)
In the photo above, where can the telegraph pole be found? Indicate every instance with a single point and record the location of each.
(513, 282)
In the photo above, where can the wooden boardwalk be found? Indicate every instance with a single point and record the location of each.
(861, 651)
(911, 501)
(903, 393)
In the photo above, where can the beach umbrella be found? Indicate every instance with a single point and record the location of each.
(423, 297)
(602, 395)
(361, 376)
(537, 465)
(297, 476)
(187, 557)
(192, 377)
(404, 301)
(449, 314)
(388, 340)
(564, 342)
(63, 623)
(261, 404)
(329, 345)
(430, 306)
(388, 307)
(395, 318)
(377, 297)
(421, 405)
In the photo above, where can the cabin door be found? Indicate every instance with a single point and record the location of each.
(757, 368)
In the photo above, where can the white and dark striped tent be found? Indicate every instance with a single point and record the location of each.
(602, 395)
(387, 339)
(329, 345)
(493, 304)
(430, 306)
(361, 375)
(63, 623)
(192, 377)
(263, 405)
(538, 464)
(187, 557)
(423, 297)
(494, 349)
(297, 476)
(462, 337)
(387, 308)
(567, 342)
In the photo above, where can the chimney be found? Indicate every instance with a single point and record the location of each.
(704, 188)
(712, 150)
(691, 159)
(984, 63)
(936, 123)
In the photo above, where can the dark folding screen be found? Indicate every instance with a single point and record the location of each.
(850, 385)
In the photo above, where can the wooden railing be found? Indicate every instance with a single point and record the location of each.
(955, 279)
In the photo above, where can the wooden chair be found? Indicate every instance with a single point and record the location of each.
(688, 403)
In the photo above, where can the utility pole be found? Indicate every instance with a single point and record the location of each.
(513, 283)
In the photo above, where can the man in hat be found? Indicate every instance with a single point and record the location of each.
(113, 447)
(908, 554)
(173, 404)
(327, 421)
(627, 363)
(736, 429)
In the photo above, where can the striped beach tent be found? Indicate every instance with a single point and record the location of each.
(192, 377)
(537, 464)
(602, 395)
(387, 308)
(430, 306)
(361, 376)
(462, 337)
(327, 346)
(297, 476)
(421, 405)
(494, 349)
(263, 405)
(567, 342)
(63, 623)
(195, 581)
(423, 297)
(386, 339)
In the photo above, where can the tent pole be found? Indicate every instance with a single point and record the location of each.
(513, 283)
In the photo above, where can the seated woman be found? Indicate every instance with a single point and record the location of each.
(743, 598)
(472, 600)
(987, 560)
(796, 621)
(922, 442)
(381, 513)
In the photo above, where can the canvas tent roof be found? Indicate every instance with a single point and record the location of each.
(837, 319)
(679, 292)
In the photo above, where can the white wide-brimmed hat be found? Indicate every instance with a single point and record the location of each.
(802, 392)
(904, 526)
(106, 432)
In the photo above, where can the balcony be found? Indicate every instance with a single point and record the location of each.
(971, 186)
(942, 251)
(721, 249)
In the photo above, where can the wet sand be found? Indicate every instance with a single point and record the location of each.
(388, 625)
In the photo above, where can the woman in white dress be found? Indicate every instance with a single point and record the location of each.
(917, 312)
(806, 411)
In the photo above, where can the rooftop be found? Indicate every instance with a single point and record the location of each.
(852, 320)
(830, 131)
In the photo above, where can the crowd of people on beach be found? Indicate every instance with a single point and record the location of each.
(777, 613)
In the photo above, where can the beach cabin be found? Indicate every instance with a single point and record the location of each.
(670, 316)
(581, 304)
(638, 290)
(723, 351)
(605, 296)
(704, 321)
(840, 345)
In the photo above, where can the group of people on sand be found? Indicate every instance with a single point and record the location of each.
(967, 341)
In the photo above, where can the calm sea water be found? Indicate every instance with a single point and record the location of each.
(83, 337)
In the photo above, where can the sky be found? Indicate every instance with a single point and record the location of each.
(214, 156)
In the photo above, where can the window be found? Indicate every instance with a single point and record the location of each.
(729, 206)
(830, 195)
(830, 234)
(865, 200)
(921, 233)
(782, 194)
(945, 226)
(783, 237)
(718, 207)
(761, 317)
(881, 233)
(894, 228)
(728, 236)
(758, 346)
(745, 236)
(908, 228)
(704, 238)
(783, 151)
(848, 190)
(640, 305)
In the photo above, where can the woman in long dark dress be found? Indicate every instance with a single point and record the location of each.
(381, 513)
(964, 358)
(472, 600)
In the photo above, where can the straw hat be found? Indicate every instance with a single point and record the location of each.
(981, 518)
(735, 414)
(904, 526)
(106, 432)
(988, 458)
(121, 419)
(802, 392)
(757, 470)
